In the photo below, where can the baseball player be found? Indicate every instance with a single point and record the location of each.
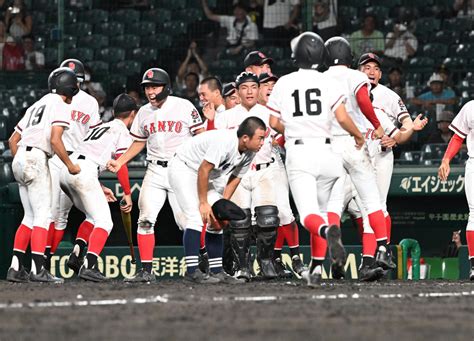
(195, 175)
(36, 138)
(162, 125)
(84, 189)
(256, 192)
(288, 230)
(212, 102)
(84, 116)
(257, 63)
(231, 98)
(304, 104)
(393, 106)
(357, 165)
(462, 127)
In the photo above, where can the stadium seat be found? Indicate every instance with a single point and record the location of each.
(82, 4)
(347, 12)
(410, 157)
(454, 63)
(173, 5)
(429, 24)
(125, 15)
(116, 83)
(40, 42)
(274, 52)
(421, 64)
(467, 37)
(142, 28)
(174, 28)
(43, 5)
(127, 68)
(144, 54)
(434, 150)
(110, 28)
(465, 50)
(111, 54)
(446, 37)
(40, 18)
(157, 15)
(355, 3)
(78, 29)
(458, 24)
(98, 66)
(435, 50)
(189, 15)
(159, 40)
(130, 40)
(3, 128)
(84, 54)
(50, 56)
(379, 11)
(94, 16)
(94, 41)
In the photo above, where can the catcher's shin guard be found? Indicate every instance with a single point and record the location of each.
(240, 244)
(267, 223)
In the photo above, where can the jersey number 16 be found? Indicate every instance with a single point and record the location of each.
(313, 104)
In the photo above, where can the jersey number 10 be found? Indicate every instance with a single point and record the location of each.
(96, 133)
(313, 104)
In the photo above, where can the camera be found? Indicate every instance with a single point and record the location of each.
(14, 10)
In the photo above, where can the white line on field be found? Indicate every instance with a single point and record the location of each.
(167, 299)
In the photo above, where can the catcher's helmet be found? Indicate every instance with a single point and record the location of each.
(63, 81)
(339, 51)
(308, 50)
(157, 76)
(76, 66)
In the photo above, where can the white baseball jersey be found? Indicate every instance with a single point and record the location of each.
(463, 125)
(165, 128)
(232, 118)
(389, 128)
(306, 110)
(390, 102)
(219, 147)
(35, 126)
(218, 118)
(84, 116)
(105, 142)
(351, 81)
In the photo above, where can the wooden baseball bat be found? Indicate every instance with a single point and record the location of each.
(127, 225)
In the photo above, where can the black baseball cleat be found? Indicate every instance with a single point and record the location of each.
(243, 274)
(142, 276)
(370, 273)
(471, 274)
(337, 271)
(313, 279)
(225, 278)
(337, 253)
(44, 276)
(20, 276)
(203, 262)
(200, 278)
(92, 275)
(280, 269)
(384, 260)
(74, 263)
(297, 265)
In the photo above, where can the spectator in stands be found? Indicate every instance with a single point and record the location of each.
(242, 33)
(443, 134)
(18, 21)
(464, 8)
(452, 249)
(438, 98)
(400, 44)
(192, 63)
(396, 82)
(191, 82)
(3, 40)
(257, 62)
(255, 12)
(280, 19)
(325, 18)
(447, 78)
(367, 39)
(13, 56)
(34, 60)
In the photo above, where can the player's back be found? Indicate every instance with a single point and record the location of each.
(306, 100)
(84, 116)
(105, 142)
(35, 126)
(351, 81)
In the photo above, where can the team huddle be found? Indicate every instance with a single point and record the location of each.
(325, 136)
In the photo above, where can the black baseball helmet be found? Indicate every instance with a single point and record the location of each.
(339, 51)
(63, 81)
(308, 51)
(76, 66)
(157, 76)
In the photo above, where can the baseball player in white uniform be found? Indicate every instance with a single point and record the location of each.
(84, 189)
(36, 138)
(304, 104)
(163, 125)
(212, 102)
(463, 127)
(195, 175)
(84, 116)
(288, 229)
(231, 97)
